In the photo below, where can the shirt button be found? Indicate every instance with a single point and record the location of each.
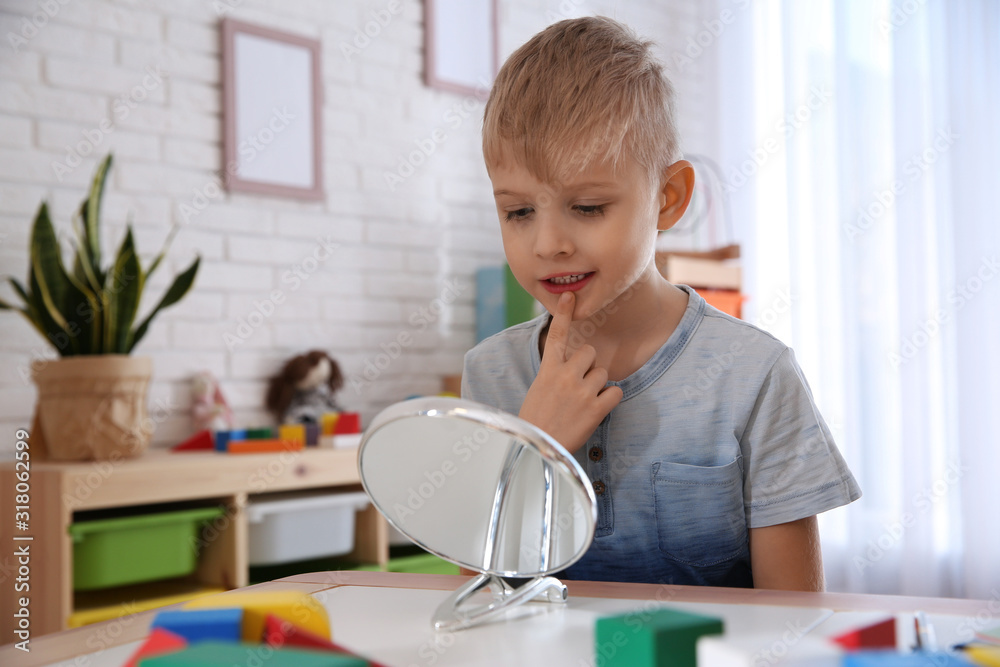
(595, 454)
(599, 487)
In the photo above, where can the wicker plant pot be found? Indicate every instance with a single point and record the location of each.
(92, 407)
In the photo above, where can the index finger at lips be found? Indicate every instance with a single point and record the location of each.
(609, 397)
(558, 334)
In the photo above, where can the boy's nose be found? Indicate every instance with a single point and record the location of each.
(551, 238)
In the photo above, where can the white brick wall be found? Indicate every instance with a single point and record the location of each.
(92, 60)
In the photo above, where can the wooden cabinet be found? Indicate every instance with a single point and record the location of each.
(60, 490)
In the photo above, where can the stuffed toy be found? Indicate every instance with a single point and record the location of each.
(303, 391)
(208, 406)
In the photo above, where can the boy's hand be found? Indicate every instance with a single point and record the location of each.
(568, 398)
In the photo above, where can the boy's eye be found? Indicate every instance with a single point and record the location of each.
(518, 214)
(592, 210)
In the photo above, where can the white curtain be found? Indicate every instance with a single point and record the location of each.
(860, 151)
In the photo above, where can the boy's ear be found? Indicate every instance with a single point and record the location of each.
(675, 194)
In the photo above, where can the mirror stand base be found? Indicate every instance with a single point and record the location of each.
(453, 614)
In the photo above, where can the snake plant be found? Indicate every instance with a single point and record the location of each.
(89, 309)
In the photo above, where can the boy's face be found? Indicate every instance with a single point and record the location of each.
(594, 234)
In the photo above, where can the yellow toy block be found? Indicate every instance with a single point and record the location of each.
(328, 422)
(296, 607)
(987, 656)
(292, 433)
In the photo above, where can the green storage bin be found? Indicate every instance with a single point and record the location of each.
(133, 549)
(422, 564)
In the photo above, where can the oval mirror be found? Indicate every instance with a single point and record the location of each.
(480, 488)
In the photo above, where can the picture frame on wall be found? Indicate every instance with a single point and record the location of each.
(272, 112)
(461, 47)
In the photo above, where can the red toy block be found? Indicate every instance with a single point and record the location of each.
(879, 635)
(160, 641)
(278, 632)
(200, 440)
(349, 422)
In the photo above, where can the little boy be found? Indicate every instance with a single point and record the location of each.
(708, 458)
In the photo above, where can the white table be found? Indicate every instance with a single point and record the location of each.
(386, 617)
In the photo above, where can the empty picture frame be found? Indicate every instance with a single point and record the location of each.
(272, 112)
(460, 45)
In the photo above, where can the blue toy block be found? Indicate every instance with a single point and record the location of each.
(222, 438)
(491, 304)
(894, 659)
(224, 624)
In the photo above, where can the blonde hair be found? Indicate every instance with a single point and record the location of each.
(580, 92)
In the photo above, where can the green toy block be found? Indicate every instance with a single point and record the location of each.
(213, 654)
(652, 638)
(520, 305)
(260, 433)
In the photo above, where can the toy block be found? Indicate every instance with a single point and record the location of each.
(328, 423)
(312, 434)
(754, 650)
(346, 441)
(986, 656)
(279, 633)
(160, 641)
(222, 438)
(292, 433)
(656, 637)
(989, 635)
(451, 385)
(349, 422)
(260, 433)
(200, 440)
(257, 446)
(879, 635)
(886, 658)
(221, 623)
(300, 608)
(491, 302)
(213, 654)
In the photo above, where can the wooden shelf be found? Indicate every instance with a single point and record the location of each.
(159, 476)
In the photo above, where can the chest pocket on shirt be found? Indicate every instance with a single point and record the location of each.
(699, 512)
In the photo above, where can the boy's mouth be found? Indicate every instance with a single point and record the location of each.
(566, 282)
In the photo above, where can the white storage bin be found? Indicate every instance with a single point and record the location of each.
(289, 527)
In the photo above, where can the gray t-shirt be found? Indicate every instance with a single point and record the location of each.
(715, 434)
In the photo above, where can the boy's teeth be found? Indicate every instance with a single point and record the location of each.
(565, 280)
